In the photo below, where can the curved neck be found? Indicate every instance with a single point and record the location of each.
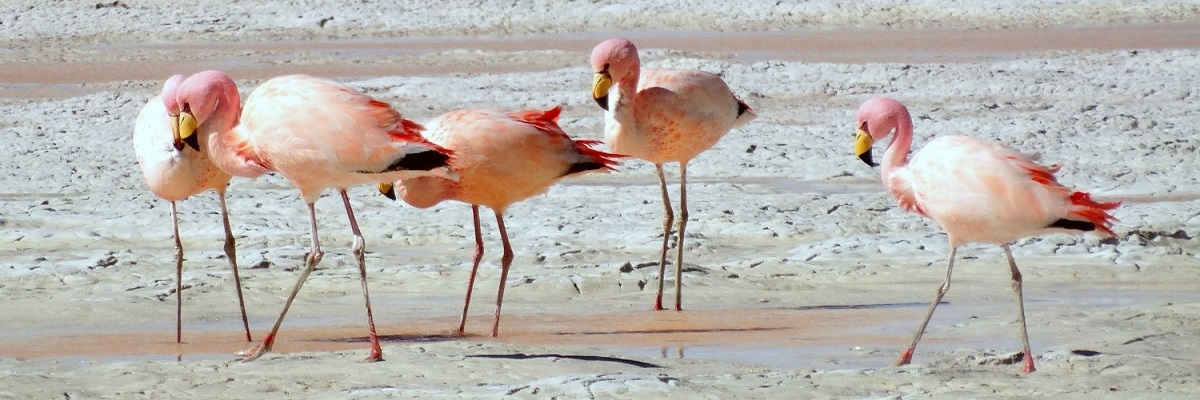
(628, 84)
(626, 93)
(426, 191)
(896, 155)
(233, 153)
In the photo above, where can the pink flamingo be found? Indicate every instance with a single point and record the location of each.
(661, 116)
(320, 134)
(977, 191)
(175, 169)
(501, 159)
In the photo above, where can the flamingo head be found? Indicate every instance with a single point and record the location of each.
(612, 60)
(196, 99)
(877, 118)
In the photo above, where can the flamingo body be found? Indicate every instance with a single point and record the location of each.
(977, 191)
(673, 116)
(501, 158)
(661, 116)
(984, 192)
(321, 134)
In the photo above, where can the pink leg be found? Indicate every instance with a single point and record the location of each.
(310, 263)
(231, 254)
(668, 219)
(505, 262)
(462, 322)
(178, 277)
(906, 357)
(683, 217)
(1016, 285)
(360, 254)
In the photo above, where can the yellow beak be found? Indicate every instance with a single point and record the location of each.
(600, 86)
(862, 147)
(388, 190)
(185, 131)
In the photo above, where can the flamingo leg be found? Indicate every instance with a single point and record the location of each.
(462, 322)
(360, 250)
(1016, 285)
(505, 262)
(683, 217)
(231, 254)
(906, 357)
(178, 276)
(310, 263)
(668, 219)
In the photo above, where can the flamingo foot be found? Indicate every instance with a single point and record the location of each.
(905, 358)
(375, 356)
(678, 307)
(1028, 364)
(255, 352)
(658, 305)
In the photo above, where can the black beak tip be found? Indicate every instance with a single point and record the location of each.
(866, 158)
(178, 145)
(390, 194)
(603, 102)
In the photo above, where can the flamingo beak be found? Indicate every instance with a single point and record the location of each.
(388, 190)
(600, 86)
(862, 147)
(185, 132)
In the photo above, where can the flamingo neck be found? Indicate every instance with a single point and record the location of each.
(627, 86)
(232, 152)
(426, 191)
(896, 155)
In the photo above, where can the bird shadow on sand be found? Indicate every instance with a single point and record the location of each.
(669, 331)
(879, 306)
(397, 339)
(523, 356)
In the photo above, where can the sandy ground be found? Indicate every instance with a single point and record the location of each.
(804, 280)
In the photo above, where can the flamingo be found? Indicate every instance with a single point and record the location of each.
(661, 116)
(319, 134)
(175, 169)
(501, 159)
(977, 191)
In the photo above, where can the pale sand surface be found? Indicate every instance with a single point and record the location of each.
(804, 278)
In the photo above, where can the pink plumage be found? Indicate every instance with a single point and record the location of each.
(321, 134)
(501, 158)
(978, 191)
(175, 171)
(661, 116)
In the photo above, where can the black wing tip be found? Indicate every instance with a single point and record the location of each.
(583, 167)
(422, 161)
(1074, 225)
(742, 108)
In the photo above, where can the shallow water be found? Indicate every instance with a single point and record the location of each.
(824, 337)
(260, 60)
